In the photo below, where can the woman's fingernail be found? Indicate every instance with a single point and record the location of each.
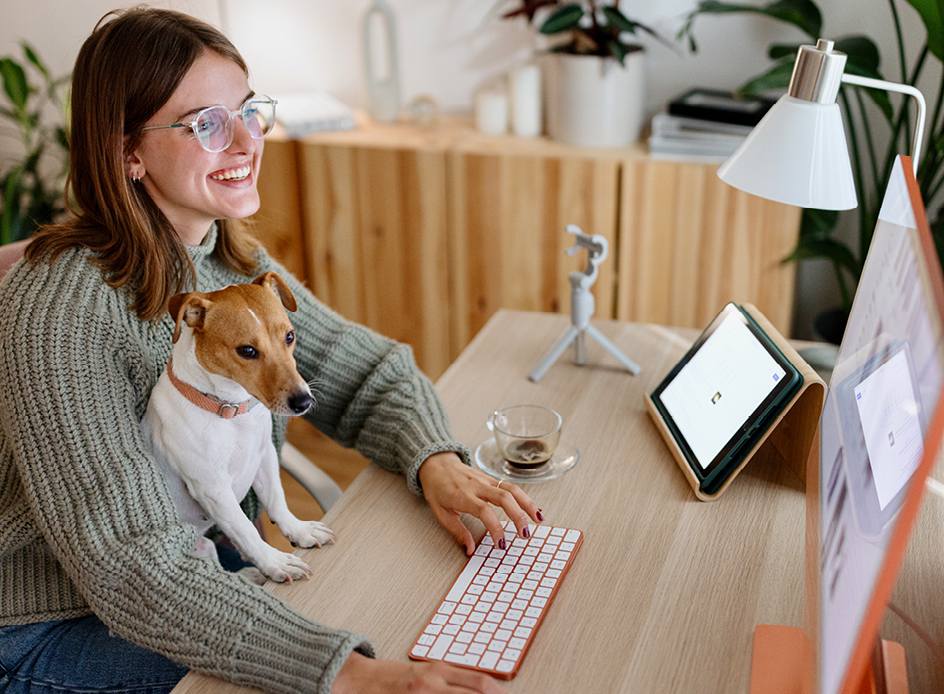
(526, 533)
(539, 515)
(501, 543)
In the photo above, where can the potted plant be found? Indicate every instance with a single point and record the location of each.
(594, 69)
(31, 185)
(863, 121)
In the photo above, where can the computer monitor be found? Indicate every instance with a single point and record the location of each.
(880, 433)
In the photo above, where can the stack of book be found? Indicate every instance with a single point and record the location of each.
(703, 125)
(311, 112)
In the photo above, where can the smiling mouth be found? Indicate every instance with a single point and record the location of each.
(232, 174)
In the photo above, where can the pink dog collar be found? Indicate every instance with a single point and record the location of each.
(210, 403)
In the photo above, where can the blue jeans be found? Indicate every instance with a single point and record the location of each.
(80, 656)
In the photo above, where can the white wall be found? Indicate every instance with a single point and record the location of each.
(449, 48)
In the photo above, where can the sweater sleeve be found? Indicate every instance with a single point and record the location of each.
(73, 381)
(369, 393)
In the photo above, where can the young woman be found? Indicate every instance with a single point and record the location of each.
(98, 588)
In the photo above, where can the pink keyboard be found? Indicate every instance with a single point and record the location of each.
(489, 618)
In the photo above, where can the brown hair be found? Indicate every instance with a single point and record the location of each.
(126, 71)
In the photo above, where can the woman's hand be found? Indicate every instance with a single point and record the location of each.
(362, 675)
(452, 489)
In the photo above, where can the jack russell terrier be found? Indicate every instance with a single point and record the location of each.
(211, 438)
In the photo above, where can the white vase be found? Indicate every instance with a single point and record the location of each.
(594, 101)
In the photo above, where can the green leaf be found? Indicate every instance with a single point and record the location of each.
(863, 60)
(803, 14)
(932, 14)
(14, 83)
(779, 51)
(827, 248)
(34, 59)
(617, 50)
(862, 53)
(818, 223)
(566, 18)
(619, 20)
(777, 77)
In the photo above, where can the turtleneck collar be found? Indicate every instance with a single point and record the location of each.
(198, 253)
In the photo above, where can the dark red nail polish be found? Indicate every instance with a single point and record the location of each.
(540, 515)
(501, 543)
(526, 533)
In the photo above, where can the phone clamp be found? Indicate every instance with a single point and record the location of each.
(582, 305)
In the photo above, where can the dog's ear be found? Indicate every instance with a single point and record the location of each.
(190, 308)
(272, 281)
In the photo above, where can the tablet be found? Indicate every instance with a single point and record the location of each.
(724, 395)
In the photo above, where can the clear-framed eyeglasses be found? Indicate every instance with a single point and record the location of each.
(214, 126)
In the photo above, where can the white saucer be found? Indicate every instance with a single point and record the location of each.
(490, 460)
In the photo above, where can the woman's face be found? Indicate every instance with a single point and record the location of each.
(191, 186)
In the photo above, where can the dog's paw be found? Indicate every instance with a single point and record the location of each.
(280, 566)
(253, 575)
(309, 534)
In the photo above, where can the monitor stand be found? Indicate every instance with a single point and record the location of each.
(783, 664)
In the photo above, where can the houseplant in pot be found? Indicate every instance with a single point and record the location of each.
(871, 119)
(594, 69)
(32, 182)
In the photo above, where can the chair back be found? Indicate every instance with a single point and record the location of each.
(10, 253)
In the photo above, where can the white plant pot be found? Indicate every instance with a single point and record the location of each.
(594, 101)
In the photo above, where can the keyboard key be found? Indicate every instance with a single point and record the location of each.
(469, 659)
(440, 647)
(476, 648)
(489, 660)
(511, 654)
(505, 665)
(420, 651)
(432, 629)
(572, 536)
(465, 578)
(540, 531)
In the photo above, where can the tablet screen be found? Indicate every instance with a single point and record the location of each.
(726, 378)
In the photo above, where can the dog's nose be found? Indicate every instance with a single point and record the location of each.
(299, 403)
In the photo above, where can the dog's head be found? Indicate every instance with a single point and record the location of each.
(243, 333)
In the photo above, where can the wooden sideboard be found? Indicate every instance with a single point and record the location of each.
(422, 233)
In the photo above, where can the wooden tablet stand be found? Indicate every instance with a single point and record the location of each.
(792, 432)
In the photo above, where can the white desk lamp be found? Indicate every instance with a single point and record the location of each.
(797, 153)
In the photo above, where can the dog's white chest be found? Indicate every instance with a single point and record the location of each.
(200, 453)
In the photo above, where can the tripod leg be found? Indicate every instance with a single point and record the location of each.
(553, 353)
(580, 349)
(632, 366)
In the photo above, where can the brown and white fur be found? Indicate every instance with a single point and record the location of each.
(232, 344)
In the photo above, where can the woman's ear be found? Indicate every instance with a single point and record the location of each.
(134, 167)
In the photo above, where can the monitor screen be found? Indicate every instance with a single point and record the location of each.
(879, 433)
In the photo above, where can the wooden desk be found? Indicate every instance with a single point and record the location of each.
(664, 594)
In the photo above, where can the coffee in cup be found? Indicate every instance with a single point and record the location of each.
(526, 435)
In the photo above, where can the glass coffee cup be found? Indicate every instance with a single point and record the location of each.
(526, 435)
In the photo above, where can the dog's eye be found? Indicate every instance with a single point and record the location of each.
(247, 352)
(290, 337)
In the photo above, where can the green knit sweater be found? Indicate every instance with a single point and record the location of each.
(86, 523)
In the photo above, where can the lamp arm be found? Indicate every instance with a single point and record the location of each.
(901, 89)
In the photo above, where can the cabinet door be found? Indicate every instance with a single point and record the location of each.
(507, 240)
(689, 243)
(278, 223)
(375, 220)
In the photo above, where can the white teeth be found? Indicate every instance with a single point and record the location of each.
(233, 174)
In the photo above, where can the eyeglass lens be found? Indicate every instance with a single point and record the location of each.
(214, 126)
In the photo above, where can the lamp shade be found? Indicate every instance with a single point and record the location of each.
(797, 155)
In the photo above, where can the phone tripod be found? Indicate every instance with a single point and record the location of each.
(582, 305)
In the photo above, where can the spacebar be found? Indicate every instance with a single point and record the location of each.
(465, 578)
